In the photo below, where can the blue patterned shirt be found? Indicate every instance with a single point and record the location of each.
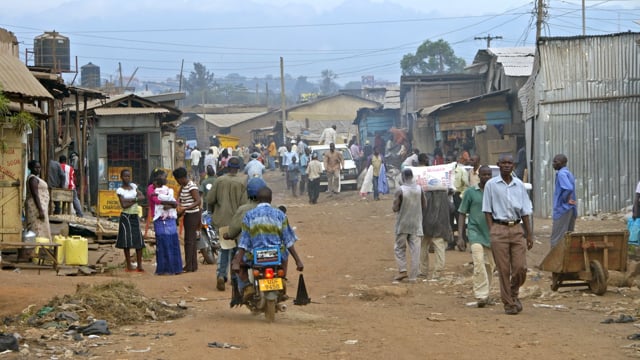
(266, 226)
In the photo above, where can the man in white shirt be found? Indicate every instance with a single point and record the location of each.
(254, 168)
(329, 135)
(286, 160)
(195, 162)
(281, 151)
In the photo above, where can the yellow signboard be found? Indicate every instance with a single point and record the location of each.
(114, 176)
(108, 203)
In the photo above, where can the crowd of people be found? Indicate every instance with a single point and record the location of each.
(491, 215)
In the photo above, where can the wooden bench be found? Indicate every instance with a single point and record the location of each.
(65, 197)
(48, 251)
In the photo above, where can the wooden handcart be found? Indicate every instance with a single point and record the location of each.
(584, 259)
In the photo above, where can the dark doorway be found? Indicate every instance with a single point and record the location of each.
(130, 150)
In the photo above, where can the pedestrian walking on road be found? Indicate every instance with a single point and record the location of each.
(229, 192)
(333, 163)
(506, 204)
(477, 234)
(408, 204)
(314, 169)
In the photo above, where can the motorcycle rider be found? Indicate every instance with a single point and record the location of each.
(261, 227)
(235, 226)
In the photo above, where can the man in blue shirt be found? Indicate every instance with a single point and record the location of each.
(564, 200)
(505, 204)
(262, 227)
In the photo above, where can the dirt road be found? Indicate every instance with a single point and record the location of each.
(356, 312)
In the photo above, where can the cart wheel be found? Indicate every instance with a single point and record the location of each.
(555, 281)
(598, 283)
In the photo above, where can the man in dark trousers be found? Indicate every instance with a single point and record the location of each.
(55, 180)
(435, 226)
(505, 205)
(564, 200)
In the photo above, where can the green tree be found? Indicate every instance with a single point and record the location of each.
(327, 85)
(432, 58)
(199, 82)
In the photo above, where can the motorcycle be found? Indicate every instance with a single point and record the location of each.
(209, 242)
(266, 276)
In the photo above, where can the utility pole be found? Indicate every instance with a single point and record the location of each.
(584, 19)
(488, 38)
(283, 103)
(539, 19)
(181, 69)
(120, 72)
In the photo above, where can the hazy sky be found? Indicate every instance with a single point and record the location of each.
(350, 37)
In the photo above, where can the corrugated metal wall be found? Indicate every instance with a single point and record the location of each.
(588, 98)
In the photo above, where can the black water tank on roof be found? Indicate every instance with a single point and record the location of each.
(53, 51)
(90, 76)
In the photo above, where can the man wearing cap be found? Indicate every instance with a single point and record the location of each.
(254, 167)
(261, 227)
(505, 204)
(367, 150)
(314, 169)
(235, 226)
(225, 197)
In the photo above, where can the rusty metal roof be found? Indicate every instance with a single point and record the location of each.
(17, 81)
(435, 108)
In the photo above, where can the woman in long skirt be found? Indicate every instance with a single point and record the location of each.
(129, 234)
(162, 206)
(189, 206)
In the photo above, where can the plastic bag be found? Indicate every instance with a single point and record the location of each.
(8, 342)
(634, 231)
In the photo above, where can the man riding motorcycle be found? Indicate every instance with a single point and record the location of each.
(262, 227)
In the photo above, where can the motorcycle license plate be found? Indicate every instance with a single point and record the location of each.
(270, 284)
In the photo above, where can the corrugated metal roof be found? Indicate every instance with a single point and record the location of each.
(392, 98)
(106, 111)
(228, 120)
(586, 98)
(516, 61)
(431, 109)
(32, 109)
(16, 79)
